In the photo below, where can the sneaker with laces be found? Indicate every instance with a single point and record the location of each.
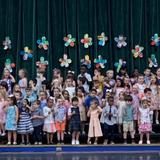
(140, 142)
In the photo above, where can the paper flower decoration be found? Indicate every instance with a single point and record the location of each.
(65, 62)
(69, 41)
(42, 64)
(120, 41)
(137, 52)
(102, 39)
(152, 61)
(100, 63)
(26, 53)
(86, 61)
(9, 65)
(7, 43)
(155, 40)
(43, 43)
(121, 63)
(87, 41)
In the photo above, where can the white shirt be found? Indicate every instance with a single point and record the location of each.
(145, 115)
(47, 112)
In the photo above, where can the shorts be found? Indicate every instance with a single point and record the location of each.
(60, 126)
(128, 126)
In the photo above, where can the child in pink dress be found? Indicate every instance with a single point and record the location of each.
(94, 123)
(2, 115)
(145, 126)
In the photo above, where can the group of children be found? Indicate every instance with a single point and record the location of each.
(105, 102)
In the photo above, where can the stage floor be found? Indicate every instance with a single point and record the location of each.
(82, 156)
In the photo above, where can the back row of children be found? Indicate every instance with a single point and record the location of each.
(63, 106)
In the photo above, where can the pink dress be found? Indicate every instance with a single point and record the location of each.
(2, 113)
(94, 124)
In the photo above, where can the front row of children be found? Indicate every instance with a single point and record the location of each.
(33, 120)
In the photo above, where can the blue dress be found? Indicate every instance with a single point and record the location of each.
(11, 124)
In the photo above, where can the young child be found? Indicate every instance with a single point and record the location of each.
(11, 119)
(74, 114)
(94, 123)
(70, 87)
(49, 123)
(2, 114)
(145, 126)
(147, 76)
(120, 105)
(128, 120)
(80, 95)
(37, 121)
(23, 81)
(25, 127)
(109, 120)
(60, 119)
(43, 98)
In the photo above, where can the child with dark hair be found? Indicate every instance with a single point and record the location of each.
(25, 126)
(128, 119)
(75, 122)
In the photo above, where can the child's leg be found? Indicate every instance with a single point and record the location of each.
(2, 130)
(148, 136)
(27, 138)
(48, 138)
(120, 128)
(22, 138)
(51, 138)
(141, 137)
(157, 116)
(58, 136)
(77, 136)
(83, 127)
(96, 140)
(14, 136)
(62, 136)
(9, 134)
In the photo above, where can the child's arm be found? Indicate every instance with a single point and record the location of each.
(17, 114)
(89, 112)
(12, 78)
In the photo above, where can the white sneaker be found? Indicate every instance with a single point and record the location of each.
(9, 143)
(77, 142)
(105, 142)
(40, 143)
(148, 142)
(73, 142)
(157, 122)
(3, 134)
(35, 143)
(140, 142)
(14, 143)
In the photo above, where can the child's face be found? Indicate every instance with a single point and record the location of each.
(56, 93)
(79, 92)
(128, 102)
(21, 73)
(153, 79)
(35, 105)
(75, 103)
(110, 74)
(149, 94)
(50, 103)
(93, 94)
(17, 88)
(65, 94)
(126, 80)
(121, 96)
(110, 101)
(145, 104)
(60, 102)
(28, 92)
(147, 72)
(96, 72)
(118, 83)
(6, 73)
(17, 95)
(9, 101)
(141, 79)
(24, 103)
(42, 95)
(134, 89)
(83, 70)
(93, 105)
(69, 82)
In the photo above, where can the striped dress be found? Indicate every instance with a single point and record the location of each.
(24, 124)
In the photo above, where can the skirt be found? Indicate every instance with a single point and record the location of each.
(49, 128)
(146, 127)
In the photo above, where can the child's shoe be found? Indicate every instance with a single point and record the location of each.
(148, 142)
(14, 143)
(9, 143)
(73, 142)
(77, 142)
(140, 142)
(157, 121)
